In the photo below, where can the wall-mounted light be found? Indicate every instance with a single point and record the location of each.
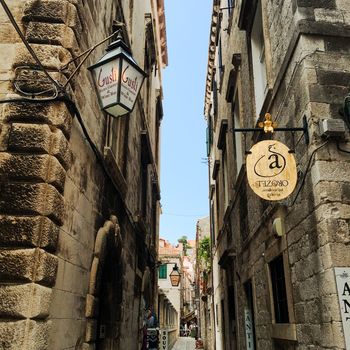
(118, 79)
(175, 276)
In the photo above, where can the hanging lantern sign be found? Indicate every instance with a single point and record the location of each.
(118, 79)
(271, 170)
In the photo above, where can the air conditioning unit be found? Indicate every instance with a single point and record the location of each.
(332, 128)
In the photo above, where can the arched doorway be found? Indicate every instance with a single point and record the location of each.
(103, 302)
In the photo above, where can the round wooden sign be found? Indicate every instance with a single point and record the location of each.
(271, 170)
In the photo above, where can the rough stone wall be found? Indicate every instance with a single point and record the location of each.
(54, 194)
(308, 54)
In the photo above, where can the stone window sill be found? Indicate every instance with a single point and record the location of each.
(285, 331)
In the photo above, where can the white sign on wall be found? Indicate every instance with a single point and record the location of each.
(249, 333)
(164, 339)
(342, 275)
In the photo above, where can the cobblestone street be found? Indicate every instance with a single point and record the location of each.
(184, 343)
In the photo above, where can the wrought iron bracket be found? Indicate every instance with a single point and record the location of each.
(303, 129)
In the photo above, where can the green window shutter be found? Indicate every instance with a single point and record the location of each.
(163, 271)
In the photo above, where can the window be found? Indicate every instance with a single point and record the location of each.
(243, 211)
(220, 63)
(225, 177)
(258, 60)
(278, 283)
(209, 140)
(237, 137)
(163, 271)
(224, 161)
(249, 316)
(230, 6)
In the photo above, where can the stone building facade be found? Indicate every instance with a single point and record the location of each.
(203, 281)
(79, 202)
(169, 301)
(292, 59)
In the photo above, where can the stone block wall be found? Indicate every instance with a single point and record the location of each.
(307, 53)
(55, 196)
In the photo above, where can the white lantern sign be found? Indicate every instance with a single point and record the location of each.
(118, 79)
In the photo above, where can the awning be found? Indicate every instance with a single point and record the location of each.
(189, 317)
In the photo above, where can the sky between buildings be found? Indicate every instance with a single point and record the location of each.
(184, 172)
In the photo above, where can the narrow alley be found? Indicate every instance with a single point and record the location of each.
(185, 343)
(174, 174)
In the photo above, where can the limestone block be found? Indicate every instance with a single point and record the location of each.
(299, 312)
(330, 16)
(52, 11)
(32, 81)
(39, 168)
(51, 56)
(327, 282)
(55, 114)
(33, 265)
(307, 288)
(66, 305)
(91, 330)
(327, 338)
(94, 277)
(333, 230)
(91, 307)
(30, 137)
(327, 77)
(25, 301)
(340, 254)
(326, 256)
(60, 148)
(68, 247)
(53, 34)
(37, 338)
(12, 335)
(38, 199)
(330, 308)
(72, 278)
(324, 93)
(101, 243)
(317, 3)
(326, 191)
(87, 346)
(32, 231)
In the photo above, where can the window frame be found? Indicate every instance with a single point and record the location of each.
(161, 272)
(281, 331)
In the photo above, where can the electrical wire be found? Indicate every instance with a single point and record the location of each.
(341, 149)
(296, 67)
(25, 42)
(307, 170)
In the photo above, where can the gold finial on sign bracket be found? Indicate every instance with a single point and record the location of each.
(268, 124)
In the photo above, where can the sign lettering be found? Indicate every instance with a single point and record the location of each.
(271, 170)
(342, 275)
(249, 329)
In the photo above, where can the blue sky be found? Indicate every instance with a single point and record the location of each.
(184, 176)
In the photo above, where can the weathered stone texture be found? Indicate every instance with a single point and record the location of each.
(53, 12)
(39, 138)
(25, 301)
(40, 168)
(37, 199)
(31, 231)
(307, 55)
(55, 114)
(54, 193)
(32, 265)
(52, 34)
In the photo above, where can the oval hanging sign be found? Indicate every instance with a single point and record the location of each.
(271, 170)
